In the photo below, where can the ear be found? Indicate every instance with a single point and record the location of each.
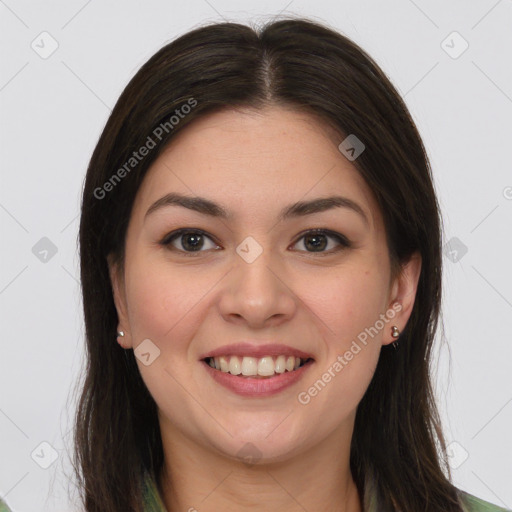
(403, 295)
(117, 282)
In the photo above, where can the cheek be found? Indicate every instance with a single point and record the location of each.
(158, 299)
(347, 301)
(162, 303)
(347, 306)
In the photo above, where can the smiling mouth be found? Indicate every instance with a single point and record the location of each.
(259, 368)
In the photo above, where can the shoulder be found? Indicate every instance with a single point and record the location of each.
(152, 499)
(3, 506)
(473, 504)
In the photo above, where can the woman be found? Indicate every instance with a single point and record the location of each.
(261, 235)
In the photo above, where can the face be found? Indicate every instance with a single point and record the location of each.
(261, 277)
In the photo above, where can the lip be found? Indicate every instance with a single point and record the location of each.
(256, 350)
(254, 387)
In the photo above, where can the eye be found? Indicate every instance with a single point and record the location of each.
(190, 240)
(193, 241)
(318, 240)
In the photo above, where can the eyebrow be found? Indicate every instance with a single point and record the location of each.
(298, 209)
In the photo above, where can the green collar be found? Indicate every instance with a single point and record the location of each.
(153, 501)
(152, 498)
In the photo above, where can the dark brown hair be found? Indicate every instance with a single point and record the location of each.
(398, 452)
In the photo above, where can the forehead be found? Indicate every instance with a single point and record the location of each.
(252, 160)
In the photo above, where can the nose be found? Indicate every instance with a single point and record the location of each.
(258, 293)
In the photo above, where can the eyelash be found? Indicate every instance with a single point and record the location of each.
(342, 240)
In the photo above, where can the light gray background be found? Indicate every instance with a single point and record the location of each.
(53, 110)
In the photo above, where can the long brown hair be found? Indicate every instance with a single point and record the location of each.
(398, 452)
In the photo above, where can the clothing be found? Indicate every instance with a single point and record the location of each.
(153, 501)
(473, 504)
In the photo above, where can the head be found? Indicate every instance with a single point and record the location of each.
(255, 123)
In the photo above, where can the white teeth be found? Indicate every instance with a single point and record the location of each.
(224, 364)
(266, 366)
(249, 366)
(235, 368)
(280, 365)
(252, 366)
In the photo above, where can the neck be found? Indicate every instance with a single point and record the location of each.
(197, 478)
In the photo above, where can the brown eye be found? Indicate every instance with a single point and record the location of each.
(188, 240)
(318, 241)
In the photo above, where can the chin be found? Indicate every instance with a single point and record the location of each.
(259, 448)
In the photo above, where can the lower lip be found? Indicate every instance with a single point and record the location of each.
(252, 387)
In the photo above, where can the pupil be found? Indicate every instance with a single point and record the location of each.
(194, 245)
(316, 244)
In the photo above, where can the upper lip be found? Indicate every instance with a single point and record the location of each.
(256, 350)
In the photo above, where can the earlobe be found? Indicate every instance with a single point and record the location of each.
(120, 339)
(117, 286)
(403, 295)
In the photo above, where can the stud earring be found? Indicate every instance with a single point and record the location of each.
(395, 332)
(120, 334)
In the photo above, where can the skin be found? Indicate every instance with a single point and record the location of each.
(254, 163)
